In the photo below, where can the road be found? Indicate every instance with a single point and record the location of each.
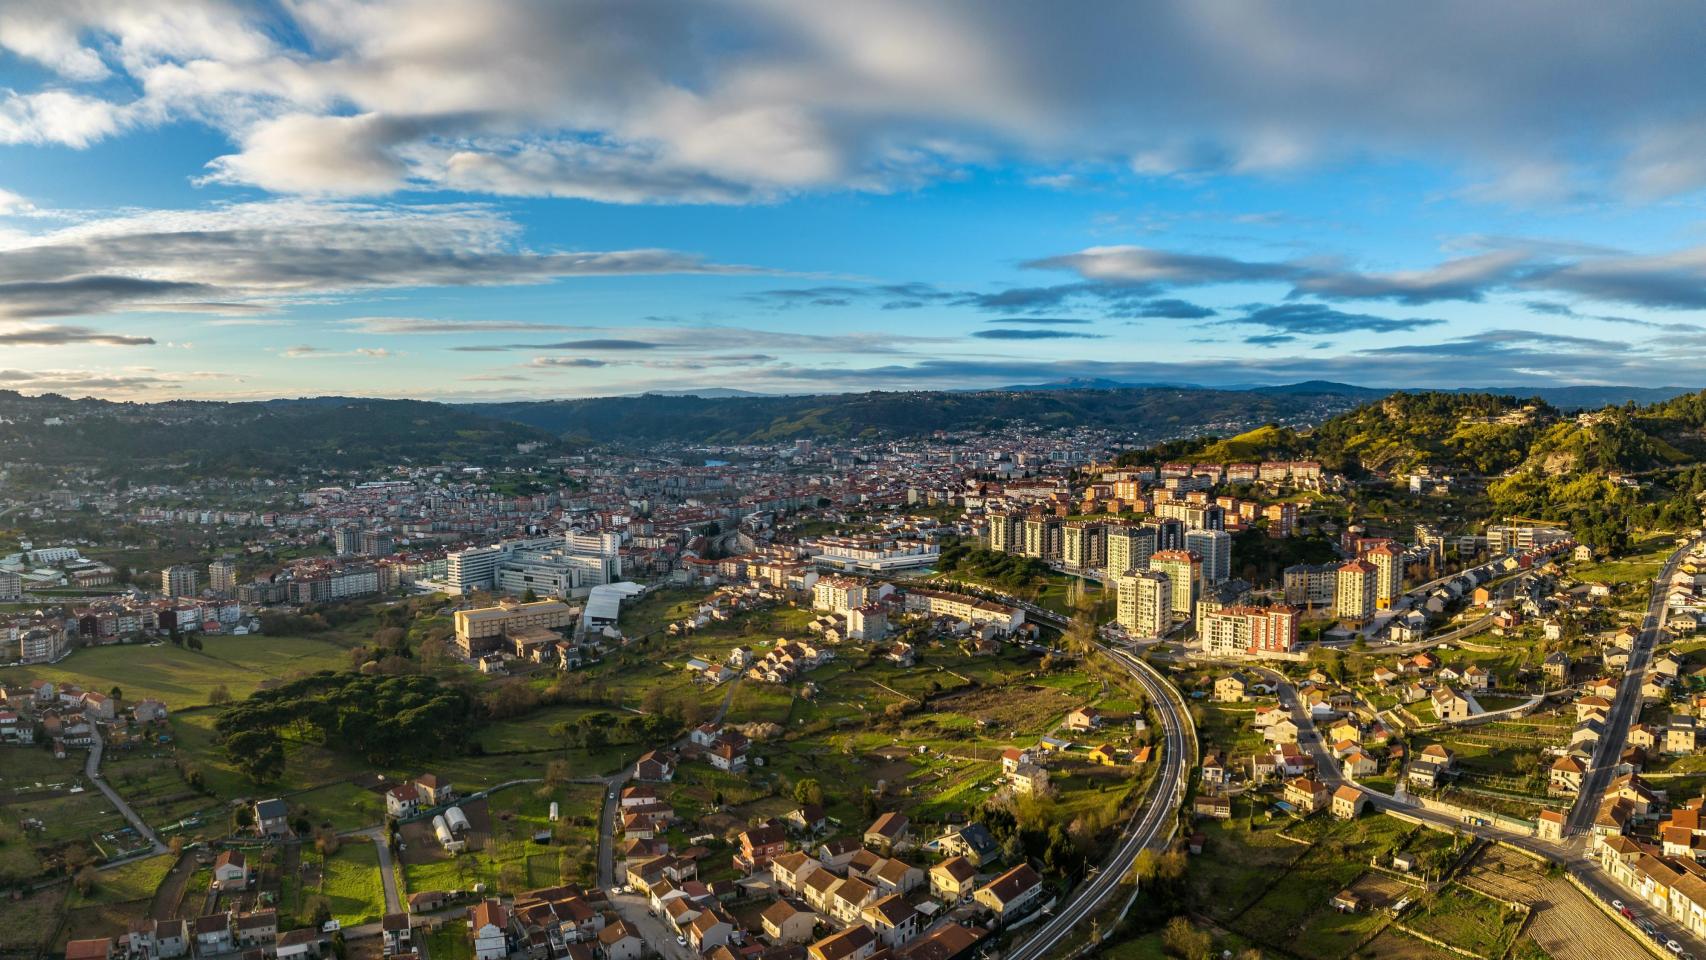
(387, 875)
(92, 769)
(1626, 706)
(1155, 823)
(612, 790)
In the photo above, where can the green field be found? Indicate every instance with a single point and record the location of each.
(450, 942)
(181, 677)
(136, 880)
(1466, 919)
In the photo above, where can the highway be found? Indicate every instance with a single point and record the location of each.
(1154, 823)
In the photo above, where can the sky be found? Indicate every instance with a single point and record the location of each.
(511, 199)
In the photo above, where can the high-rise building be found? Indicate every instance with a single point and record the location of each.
(346, 541)
(1310, 585)
(1083, 546)
(1144, 605)
(1520, 538)
(178, 580)
(1128, 549)
(1195, 516)
(1006, 531)
(473, 569)
(1215, 549)
(1388, 562)
(1252, 631)
(1042, 537)
(1282, 519)
(1355, 591)
(222, 576)
(377, 543)
(1184, 570)
(1169, 533)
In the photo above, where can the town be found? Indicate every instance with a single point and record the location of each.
(812, 699)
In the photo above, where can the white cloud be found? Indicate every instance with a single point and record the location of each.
(682, 102)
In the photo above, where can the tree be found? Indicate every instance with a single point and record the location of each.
(219, 696)
(85, 880)
(808, 791)
(1145, 867)
(326, 842)
(557, 773)
(116, 693)
(1180, 939)
(194, 642)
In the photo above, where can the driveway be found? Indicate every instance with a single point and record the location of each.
(92, 769)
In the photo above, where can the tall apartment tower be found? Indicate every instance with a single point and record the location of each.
(1145, 603)
(1388, 563)
(1215, 548)
(1083, 545)
(1355, 592)
(178, 581)
(222, 576)
(1129, 548)
(1184, 570)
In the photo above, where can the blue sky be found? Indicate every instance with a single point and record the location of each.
(522, 198)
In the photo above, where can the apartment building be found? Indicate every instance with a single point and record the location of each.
(1355, 590)
(1184, 570)
(1144, 605)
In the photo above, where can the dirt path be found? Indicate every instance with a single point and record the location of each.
(171, 890)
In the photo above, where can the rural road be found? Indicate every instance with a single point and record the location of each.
(92, 769)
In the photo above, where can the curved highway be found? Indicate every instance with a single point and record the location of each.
(1150, 827)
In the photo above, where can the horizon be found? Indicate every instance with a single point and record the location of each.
(235, 201)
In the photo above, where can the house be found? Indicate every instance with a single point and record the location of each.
(807, 818)
(854, 943)
(1449, 704)
(1348, 802)
(1008, 895)
(973, 842)
(709, 929)
(948, 941)
(1283, 731)
(1591, 706)
(402, 801)
(1106, 755)
(1029, 780)
(837, 852)
(1565, 776)
(213, 934)
(1083, 720)
(300, 944)
(790, 870)
(1306, 795)
(1011, 758)
(427, 901)
(157, 939)
(434, 792)
(847, 898)
(784, 923)
(394, 927)
(270, 818)
(1346, 901)
(101, 949)
(760, 845)
(1680, 734)
(888, 832)
(728, 756)
(892, 919)
(148, 711)
(488, 927)
(1550, 826)
(1214, 768)
(618, 941)
(230, 871)
(895, 875)
(1232, 688)
(952, 880)
(655, 765)
(1357, 764)
(1429, 767)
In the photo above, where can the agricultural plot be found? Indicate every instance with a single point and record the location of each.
(502, 851)
(1467, 920)
(347, 882)
(133, 881)
(180, 677)
(1566, 925)
(28, 925)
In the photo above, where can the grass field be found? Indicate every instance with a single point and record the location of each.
(1465, 919)
(181, 677)
(27, 925)
(350, 882)
(136, 880)
(450, 942)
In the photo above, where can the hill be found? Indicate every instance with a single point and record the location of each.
(1157, 412)
(195, 438)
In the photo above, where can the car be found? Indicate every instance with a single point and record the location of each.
(680, 941)
(1617, 905)
(1627, 913)
(1673, 947)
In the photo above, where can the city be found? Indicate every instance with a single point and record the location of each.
(589, 480)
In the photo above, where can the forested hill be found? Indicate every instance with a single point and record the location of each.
(1604, 472)
(1155, 411)
(194, 438)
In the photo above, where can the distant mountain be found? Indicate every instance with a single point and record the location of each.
(268, 438)
(1587, 397)
(1149, 412)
